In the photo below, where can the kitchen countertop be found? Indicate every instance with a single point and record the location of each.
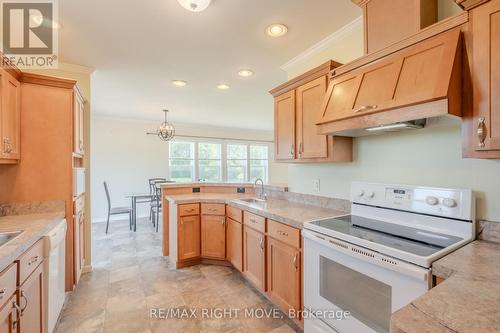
(34, 227)
(276, 187)
(287, 212)
(467, 301)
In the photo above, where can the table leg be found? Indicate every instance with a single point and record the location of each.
(134, 213)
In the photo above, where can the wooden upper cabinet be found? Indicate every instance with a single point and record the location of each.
(284, 126)
(10, 118)
(213, 237)
(387, 21)
(188, 237)
(297, 108)
(425, 72)
(79, 123)
(486, 80)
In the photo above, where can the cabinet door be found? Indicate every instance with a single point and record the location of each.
(283, 275)
(189, 237)
(254, 257)
(213, 237)
(234, 246)
(309, 100)
(8, 316)
(31, 301)
(10, 117)
(486, 75)
(284, 126)
(79, 114)
(78, 244)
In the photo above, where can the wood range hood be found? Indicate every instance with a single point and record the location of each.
(399, 89)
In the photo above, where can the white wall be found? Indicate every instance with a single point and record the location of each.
(426, 157)
(125, 157)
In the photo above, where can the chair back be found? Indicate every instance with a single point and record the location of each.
(107, 195)
(153, 189)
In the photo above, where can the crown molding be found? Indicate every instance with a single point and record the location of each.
(325, 43)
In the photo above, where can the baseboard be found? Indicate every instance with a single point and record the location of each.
(86, 269)
(116, 218)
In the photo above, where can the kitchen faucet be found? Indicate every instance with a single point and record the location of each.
(263, 195)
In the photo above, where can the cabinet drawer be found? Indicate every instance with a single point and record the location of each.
(7, 283)
(79, 204)
(234, 213)
(284, 233)
(254, 221)
(30, 260)
(189, 209)
(213, 209)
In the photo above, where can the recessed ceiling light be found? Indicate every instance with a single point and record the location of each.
(276, 30)
(195, 5)
(179, 83)
(223, 86)
(245, 72)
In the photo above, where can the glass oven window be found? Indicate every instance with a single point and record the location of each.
(368, 300)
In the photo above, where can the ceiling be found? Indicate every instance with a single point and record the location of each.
(138, 47)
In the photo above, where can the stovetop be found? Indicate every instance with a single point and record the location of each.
(411, 240)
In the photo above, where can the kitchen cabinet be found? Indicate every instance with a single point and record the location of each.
(254, 257)
(283, 275)
(213, 237)
(79, 123)
(485, 27)
(31, 302)
(10, 118)
(388, 21)
(189, 237)
(79, 242)
(234, 243)
(385, 91)
(8, 316)
(297, 108)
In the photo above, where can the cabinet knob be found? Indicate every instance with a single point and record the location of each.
(291, 150)
(481, 132)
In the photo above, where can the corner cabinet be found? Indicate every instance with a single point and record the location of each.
(297, 109)
(482, 140)
(10, 118)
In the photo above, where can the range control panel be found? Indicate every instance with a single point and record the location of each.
(452, 203)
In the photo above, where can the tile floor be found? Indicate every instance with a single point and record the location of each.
(130, 277)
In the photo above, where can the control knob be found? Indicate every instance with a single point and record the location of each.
(449, 202)
(370, 194)
(432, 201)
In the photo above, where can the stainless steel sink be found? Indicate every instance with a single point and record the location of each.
(253, 200)
(5, 237)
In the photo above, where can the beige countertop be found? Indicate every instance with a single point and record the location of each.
(276, 187)
(467, 301)
(291, 213)
(34, 227)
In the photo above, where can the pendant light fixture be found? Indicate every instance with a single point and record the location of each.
(195, 5)
(166, 131)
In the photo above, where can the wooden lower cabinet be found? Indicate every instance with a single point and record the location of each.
(189, 237)
(79, 244)
(283, 275)
(234, 243)
(8, 316)
(213, 237)
(31, 302)
(254, 257)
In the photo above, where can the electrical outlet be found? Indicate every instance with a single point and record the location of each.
(316, 185)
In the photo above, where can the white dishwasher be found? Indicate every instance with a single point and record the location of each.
(54, 253)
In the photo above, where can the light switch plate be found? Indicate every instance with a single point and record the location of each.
(316, 185)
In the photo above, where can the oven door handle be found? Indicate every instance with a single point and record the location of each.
(369, 256)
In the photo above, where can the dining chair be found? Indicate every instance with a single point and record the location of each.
(152, 192)
(157, 206)
(116, 210)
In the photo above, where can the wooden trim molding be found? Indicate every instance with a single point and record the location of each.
(469, 4)
(50, 81)
(308, 76)
(360, 3)
(6, 65)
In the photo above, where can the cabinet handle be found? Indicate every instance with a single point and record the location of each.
(261, 243)
(300, 150)
(295, 262)
(291, 150)
(26, 300)
(18, 312)
(282, 233)
(481, 132)
(7, 146)
(223, 221)
(33, 260)
(365, 107)
(2, 293)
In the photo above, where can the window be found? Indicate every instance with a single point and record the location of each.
(209, 162)
(237, 159)
(181, 161)
(218, 161)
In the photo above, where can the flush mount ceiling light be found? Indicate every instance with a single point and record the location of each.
(276, 30)
(245, 72)
(179, 83)
(195, 5)
(223, 86)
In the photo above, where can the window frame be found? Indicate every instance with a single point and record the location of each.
(224, 143)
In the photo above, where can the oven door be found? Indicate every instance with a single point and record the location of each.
(340, 276)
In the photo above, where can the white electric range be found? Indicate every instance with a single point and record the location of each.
(378, 259)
